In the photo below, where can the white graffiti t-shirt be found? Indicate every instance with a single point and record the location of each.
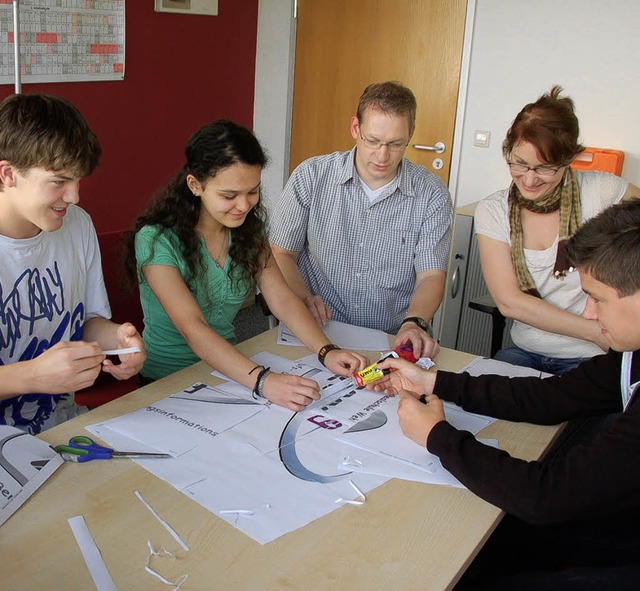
(50, 285)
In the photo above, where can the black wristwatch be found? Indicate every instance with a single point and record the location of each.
(421, 323)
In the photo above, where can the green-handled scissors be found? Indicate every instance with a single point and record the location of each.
(85, 449)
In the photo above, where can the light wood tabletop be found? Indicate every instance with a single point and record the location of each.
(407, 536)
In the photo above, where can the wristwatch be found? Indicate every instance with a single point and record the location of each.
(426, 326)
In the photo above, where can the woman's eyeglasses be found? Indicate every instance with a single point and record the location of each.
(539, 170)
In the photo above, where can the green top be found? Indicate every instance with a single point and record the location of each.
(167, 350)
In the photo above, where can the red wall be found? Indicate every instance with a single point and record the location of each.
(181, 72)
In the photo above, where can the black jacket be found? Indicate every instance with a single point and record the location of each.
(590, 482)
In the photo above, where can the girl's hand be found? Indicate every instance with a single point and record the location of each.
(292, 392)
(345, 362)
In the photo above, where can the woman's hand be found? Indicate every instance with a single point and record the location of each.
(417, 419)
(406, 376)
(345, 362)
(292, 392)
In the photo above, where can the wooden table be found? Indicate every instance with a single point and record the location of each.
(407, 536)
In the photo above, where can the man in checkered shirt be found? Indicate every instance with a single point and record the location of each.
(363, 236)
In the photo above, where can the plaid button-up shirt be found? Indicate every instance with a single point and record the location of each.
(362, 257)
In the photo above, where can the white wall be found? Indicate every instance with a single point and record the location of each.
(520, 49)
(274, 92)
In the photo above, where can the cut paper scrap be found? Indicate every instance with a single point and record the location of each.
(163, 523)
(163, 553)
(26, 462)
(91, 554)
(358, 502)
(344, 335)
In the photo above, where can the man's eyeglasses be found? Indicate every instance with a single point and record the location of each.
(376, 145)
(539, 170)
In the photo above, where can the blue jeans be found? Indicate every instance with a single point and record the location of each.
(517, 356)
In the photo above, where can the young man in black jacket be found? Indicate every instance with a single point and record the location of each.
(574, 518)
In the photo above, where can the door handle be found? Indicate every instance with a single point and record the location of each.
(438, 148)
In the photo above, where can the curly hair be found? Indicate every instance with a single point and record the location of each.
(176, 209)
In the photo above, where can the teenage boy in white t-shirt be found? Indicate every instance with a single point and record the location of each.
(54, 312)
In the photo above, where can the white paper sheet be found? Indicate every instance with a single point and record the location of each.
(367, 462)
(481, 366)
(346, 336)
(267, 471)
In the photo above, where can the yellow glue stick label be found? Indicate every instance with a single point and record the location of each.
(368, 375)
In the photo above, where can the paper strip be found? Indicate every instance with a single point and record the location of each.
(91, 554)
(121, 351)
(354, 502)
(176, 537)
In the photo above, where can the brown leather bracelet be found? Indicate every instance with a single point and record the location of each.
(326, 349)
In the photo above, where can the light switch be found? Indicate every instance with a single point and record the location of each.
(481, 139)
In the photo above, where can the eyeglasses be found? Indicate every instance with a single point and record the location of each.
(376, 145)
(539, 170)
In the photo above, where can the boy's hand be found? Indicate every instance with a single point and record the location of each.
(65, 367)
(130, 363)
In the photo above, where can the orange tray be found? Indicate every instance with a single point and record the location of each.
(599, 159)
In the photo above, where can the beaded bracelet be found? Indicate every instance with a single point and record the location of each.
(326, 349)
(262, 376)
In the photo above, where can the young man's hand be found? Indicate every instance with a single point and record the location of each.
(405, 376)
(417, 419)
(130, 363)
(65, 367)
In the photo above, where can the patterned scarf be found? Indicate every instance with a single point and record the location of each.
(566, 198)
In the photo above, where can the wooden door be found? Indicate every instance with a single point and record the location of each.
(344, 45)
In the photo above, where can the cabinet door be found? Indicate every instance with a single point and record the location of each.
(456, 280)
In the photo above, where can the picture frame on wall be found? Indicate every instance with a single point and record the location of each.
(207, 7)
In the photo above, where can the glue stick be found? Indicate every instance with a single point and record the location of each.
(373, 372)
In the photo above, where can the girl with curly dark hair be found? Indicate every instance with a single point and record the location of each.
(199, 250)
